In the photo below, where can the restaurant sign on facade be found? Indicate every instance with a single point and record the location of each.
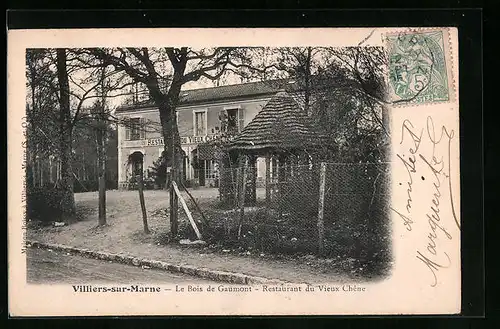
(184, 140)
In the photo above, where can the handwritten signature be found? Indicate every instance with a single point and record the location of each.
(440, 168)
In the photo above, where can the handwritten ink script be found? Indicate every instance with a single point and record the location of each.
(426, 158)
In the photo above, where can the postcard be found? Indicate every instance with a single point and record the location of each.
(241, 171)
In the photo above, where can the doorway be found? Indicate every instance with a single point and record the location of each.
(136, 161)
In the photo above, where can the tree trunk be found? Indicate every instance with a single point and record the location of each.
(307, 91)
(84, 166)
(35, 171)
(101, 140)
(42, 182)
(101, 148)
(167, 105)
(51, 170)
(65, 139)
(173, 149)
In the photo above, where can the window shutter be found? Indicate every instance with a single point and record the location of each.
(241, 119)
(205, 123)
(222, 121)
(127, 129)
(142, 128)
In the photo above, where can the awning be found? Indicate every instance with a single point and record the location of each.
(206, 152)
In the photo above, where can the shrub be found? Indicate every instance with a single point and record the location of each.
(132, 183)
(149, 183)
(44, 204)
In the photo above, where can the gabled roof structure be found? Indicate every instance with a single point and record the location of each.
(223, 93)
(280, 125)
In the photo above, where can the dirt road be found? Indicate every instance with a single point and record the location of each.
(44, 266)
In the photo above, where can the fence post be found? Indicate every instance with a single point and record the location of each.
(268, 181)
(102, 199)
(186, 209)
(140, 186)
(242, 196)
(321, 208)
(236, 198)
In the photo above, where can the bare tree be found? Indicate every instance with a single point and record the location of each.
(68, 77)
(41, 102)
(164, 71)
(65, 135)
(343, 89)
(101, 154)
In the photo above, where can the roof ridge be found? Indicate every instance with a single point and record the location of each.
(235, 84)
(280, 122)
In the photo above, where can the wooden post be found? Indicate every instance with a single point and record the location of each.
(173, 206)
(173, 175)
(321, 208)
(205, 221)
(242, 196)
(237, 188)
(140, 187)
(281, 184)
(101, 159)
(253, 195)
(166, 187)
(186, 209)
(268, 180)
(102, 200)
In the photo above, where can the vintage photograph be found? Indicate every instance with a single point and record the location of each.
(283, 171)
(255, 160)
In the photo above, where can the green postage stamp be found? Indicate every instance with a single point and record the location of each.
(418, 67)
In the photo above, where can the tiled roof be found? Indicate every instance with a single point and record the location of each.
(230, 91)
(206, 95)
(281, 124)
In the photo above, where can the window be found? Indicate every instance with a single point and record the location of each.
(274, 169)
(235, 120)
(134, 129)
(200, 123)
(232, 120)
(210, 169)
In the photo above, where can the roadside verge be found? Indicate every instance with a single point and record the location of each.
(202, 272)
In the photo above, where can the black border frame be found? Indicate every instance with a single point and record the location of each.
(469, 22)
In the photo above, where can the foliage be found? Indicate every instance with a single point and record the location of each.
(44, 203)
(344, 90)
(61, 127)
(148, 183)
(158, 171)
(161, 73)
(295, 237)
(85, 147)
(350, 102)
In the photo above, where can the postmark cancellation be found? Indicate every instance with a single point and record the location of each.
(420, 69)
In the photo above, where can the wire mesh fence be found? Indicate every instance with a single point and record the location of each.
(332, 209)
(356, 209)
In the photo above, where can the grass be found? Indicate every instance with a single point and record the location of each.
(294, 235)
(268, 246)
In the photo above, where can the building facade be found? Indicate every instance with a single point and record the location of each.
(141, 143)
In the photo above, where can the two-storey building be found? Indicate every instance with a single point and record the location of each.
(198, 121)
